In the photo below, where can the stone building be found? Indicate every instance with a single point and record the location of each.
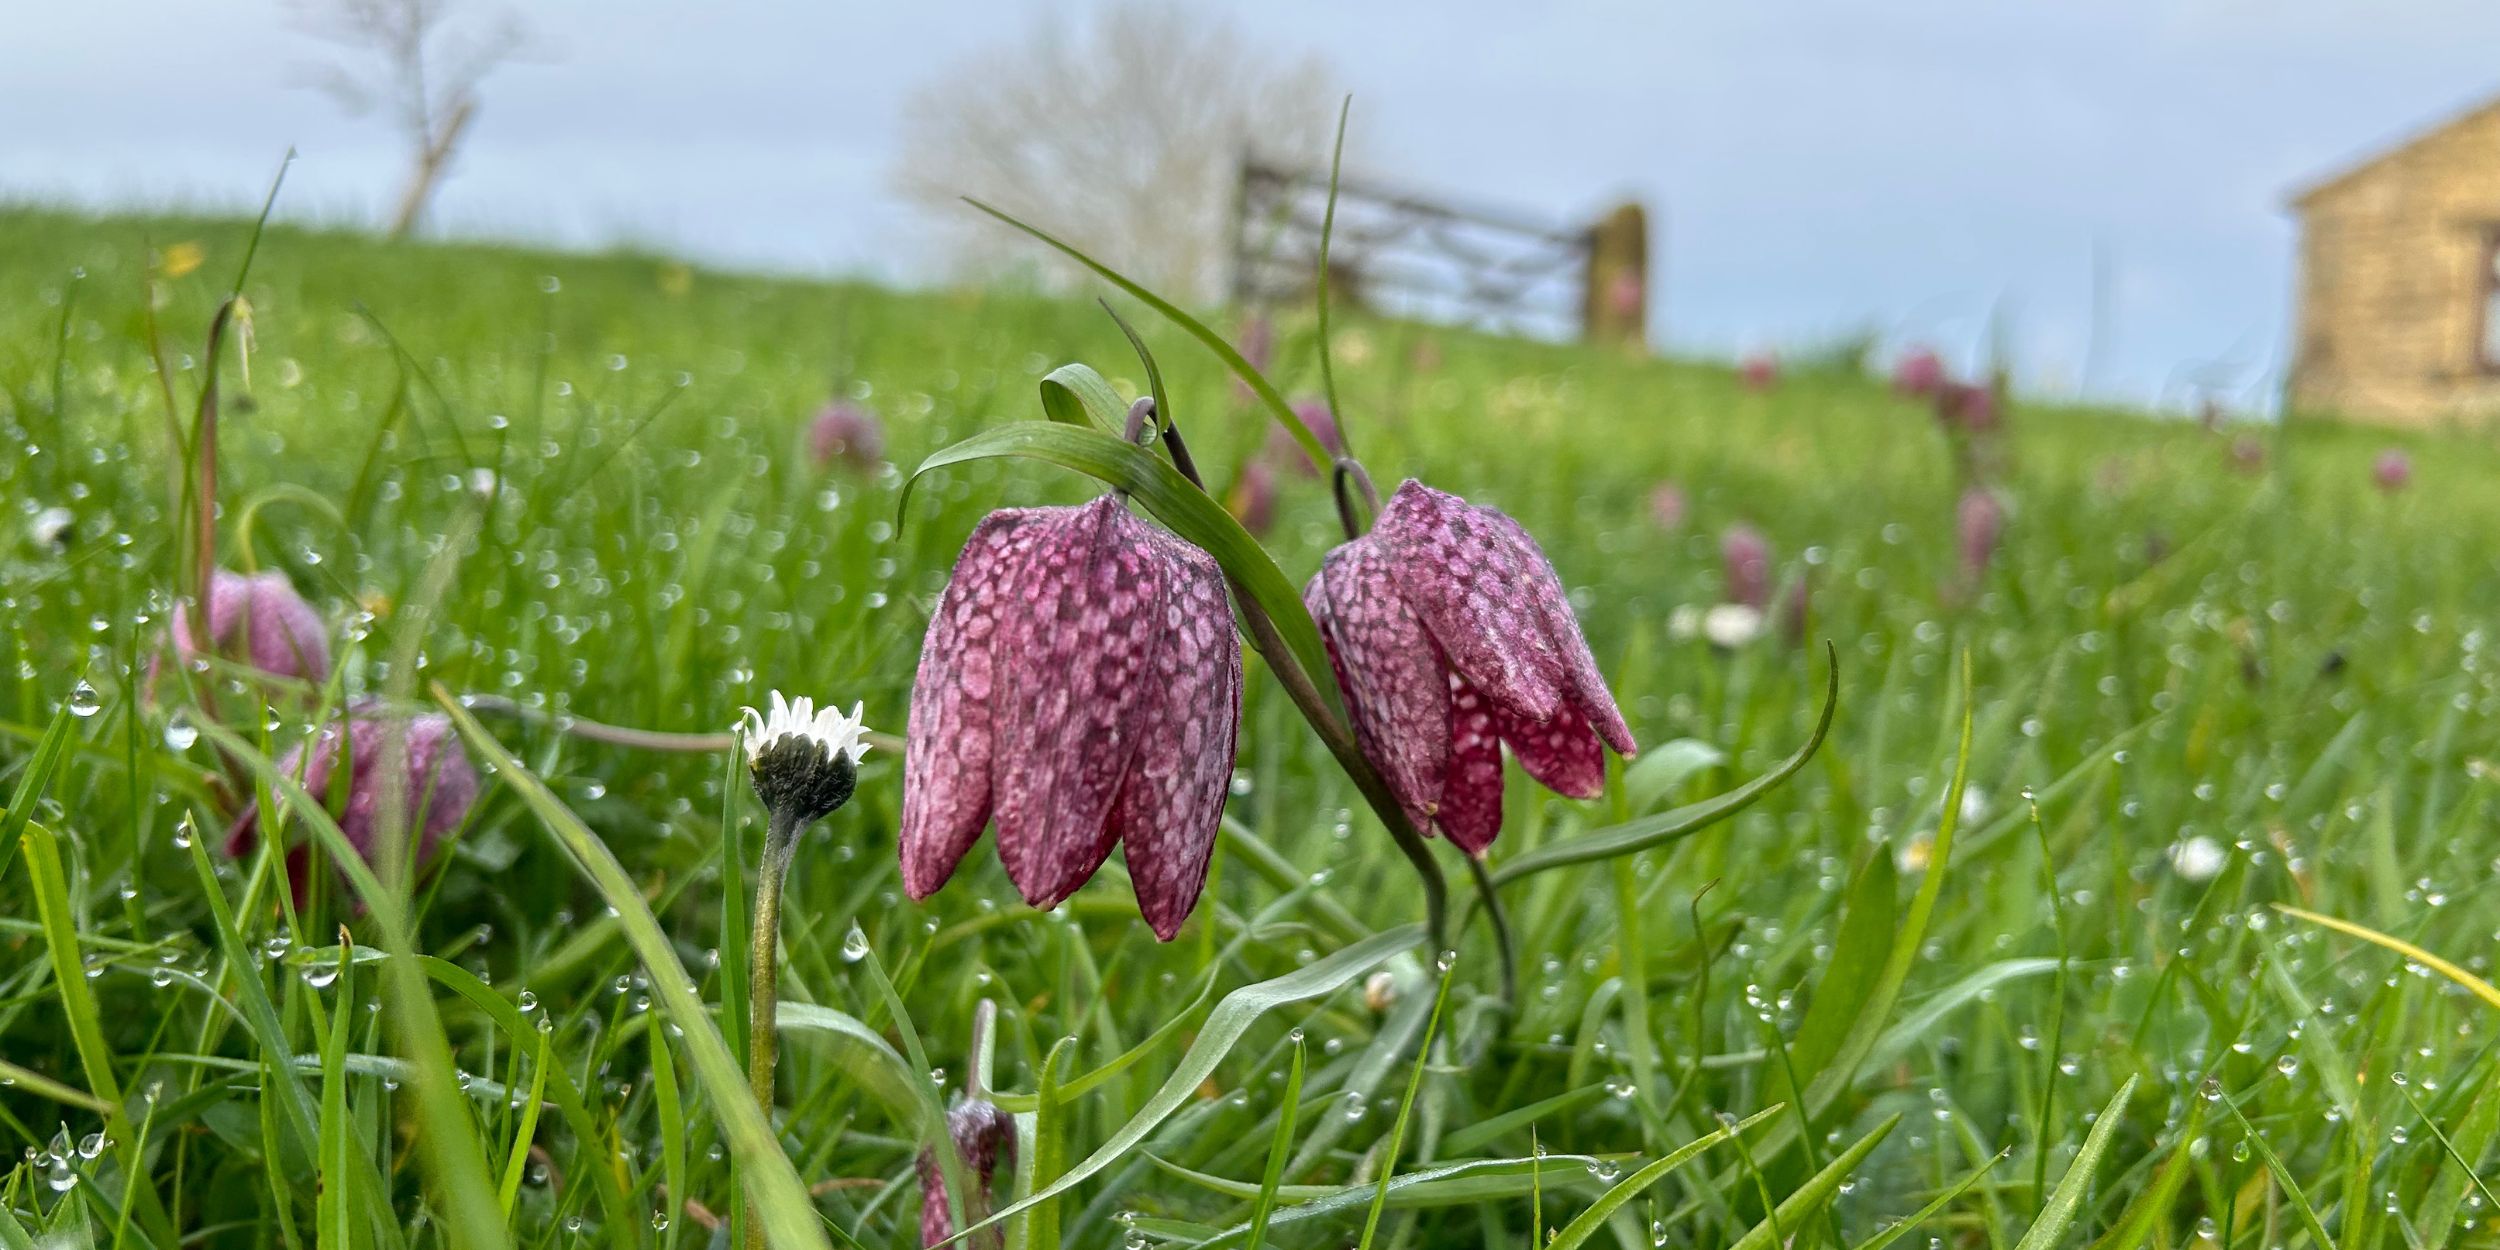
(2399, 288)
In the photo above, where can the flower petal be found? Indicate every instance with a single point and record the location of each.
(946, 761)
(1172, 800)
(1396, 686)
(1562, 752)
(1588, 691)
(1070, 669)
(1458, 570)
(1471, 792)
(285, 635)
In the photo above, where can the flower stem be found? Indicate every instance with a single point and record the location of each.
(1500, 920)
(764, 983)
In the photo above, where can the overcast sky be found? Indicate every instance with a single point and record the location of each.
(1813, 165)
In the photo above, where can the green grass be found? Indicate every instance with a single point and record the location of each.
(188, 1059)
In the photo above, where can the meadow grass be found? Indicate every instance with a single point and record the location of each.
(1947, 983)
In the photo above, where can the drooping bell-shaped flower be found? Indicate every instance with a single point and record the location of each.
(1081, 687)
(1967, 407)
(846, 432)
(1979, 522)
(1451, 635)
(1745, 560)
(983, 1137)
(1759, 372)
(257, 619)
(1919, 372)
(2393, 470)
(433, 782)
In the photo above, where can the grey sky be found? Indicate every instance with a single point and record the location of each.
(1816, 165)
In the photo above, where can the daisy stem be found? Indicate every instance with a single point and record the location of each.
(763, 979)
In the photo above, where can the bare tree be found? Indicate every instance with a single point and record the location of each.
(404, 59)
(1122, 136)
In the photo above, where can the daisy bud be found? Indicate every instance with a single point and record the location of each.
(1080, 685)
(1979, 522)
(846, 432)
(1450, 635)
(1919, 373)
(258, 620)
(803, 762)
(436, 785)
(2393, 470)
(1745, 557)
(50, 529)
(983, 1137)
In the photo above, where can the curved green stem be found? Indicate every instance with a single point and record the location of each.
(763, 981)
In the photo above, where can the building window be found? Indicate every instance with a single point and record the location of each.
(2487, 350)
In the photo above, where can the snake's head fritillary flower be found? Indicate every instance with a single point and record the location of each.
(1745, 560)
(1979, 523)
(802, 761)
(1451, 635)
(1919, 372)
(1760, 372)
(2393, 470)
(846, 432)
(257, 619)
(983, 1137)
(1080, 686)
(426, 769)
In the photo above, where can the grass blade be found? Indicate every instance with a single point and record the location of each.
(2475, 985)
(1406, 1104)
(1794, 1210)
(2067, 1199)
(1586, 1225)
(1288, 1109)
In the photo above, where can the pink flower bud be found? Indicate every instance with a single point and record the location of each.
(2393, 470)
(1967, 407)
(1760, 372)
(434, 781)
(1081, 685)
(982, 1136)
(1745, 557)
(846, 432)
(1667, 506)
(1920, 372)
(257, 620)
(1979, 522)
(1450, 635)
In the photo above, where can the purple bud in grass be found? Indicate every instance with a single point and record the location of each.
(1760, 372)
(1451, 635)
(1746, 556)
(1252, 501)
(258, 619)
(983, 1137)
(1920, 372)
(1081, 684)
(1323, 424)
(1979, 522)
(846, 432)
(436, 785)
(1967, 406)
(1667, 506)
(2393, 470)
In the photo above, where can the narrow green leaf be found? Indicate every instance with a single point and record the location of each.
(2067, 1199)
(1795, 1209)
(1074, 394)
(2151, 1205)
(862, 1054)
(1406, 1105)
(2283, 1176)
(672, 1109)
(789, 1215)
(339, 1176)
(1485, 1132)
(1911, 1222)
(1581, 1229)
(1288, 1109)
(1224, 1029)
(1663, 769)
(1664, 827)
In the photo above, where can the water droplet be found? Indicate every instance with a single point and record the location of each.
(854, 945)
(84, 702)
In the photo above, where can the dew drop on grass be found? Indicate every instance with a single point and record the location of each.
(854, 945)
(321, 976)
(180, 733)
(183, 834)
(84, 702)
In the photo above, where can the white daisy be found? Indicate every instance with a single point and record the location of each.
(836, 733)
(2199, 858)
(1730, 626)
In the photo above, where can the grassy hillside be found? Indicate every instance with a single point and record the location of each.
(2286, 662)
